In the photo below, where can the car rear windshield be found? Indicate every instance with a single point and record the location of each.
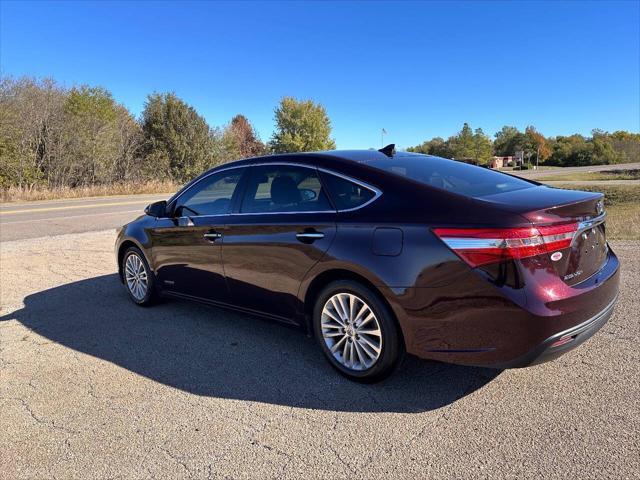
(452, 175)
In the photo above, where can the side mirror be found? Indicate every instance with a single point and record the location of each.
(156, 209)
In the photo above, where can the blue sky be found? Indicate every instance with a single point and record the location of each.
(418, 69)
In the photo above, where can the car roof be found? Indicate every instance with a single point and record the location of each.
(357, 156)
(332, 160)
(329, 159)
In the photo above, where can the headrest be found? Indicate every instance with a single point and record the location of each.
(284, 191)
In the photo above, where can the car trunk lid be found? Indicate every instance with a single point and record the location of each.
(551, 210)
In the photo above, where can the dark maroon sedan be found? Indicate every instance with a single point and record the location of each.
(379, 253)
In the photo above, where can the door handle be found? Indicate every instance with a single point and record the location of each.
(309, 236)
(212, 236)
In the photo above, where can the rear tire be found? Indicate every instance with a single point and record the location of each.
(357, 332)
(138, 277)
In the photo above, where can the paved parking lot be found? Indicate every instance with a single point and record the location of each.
(92, 386)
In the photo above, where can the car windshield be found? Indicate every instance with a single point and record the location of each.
(457, 177)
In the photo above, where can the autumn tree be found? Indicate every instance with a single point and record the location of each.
(241, 139)
(301, 126)
(534, 145)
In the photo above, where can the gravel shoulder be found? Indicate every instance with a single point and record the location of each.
(92, 386)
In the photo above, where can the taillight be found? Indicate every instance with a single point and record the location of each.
(480, 246)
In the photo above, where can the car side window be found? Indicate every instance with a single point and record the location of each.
(284, 188)
(211, 196)
(346, 194)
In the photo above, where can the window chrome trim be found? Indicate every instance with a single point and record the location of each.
(173, 200)
(377, 192)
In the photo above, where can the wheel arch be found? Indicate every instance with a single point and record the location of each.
(325, 278)
(122, 248)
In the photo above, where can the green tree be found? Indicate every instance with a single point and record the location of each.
(90, 137)
(130, 164)
(616, 147)
(301, 126)
(571, 151)
(470, 145)
(436, 146)
(178, 143)
(507, 141)
(482, 148)
(462, 145)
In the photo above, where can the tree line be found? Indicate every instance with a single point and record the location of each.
(602, 148)
(53, 137)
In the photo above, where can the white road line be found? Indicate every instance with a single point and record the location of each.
(55, 219)
(142, 198)
(69, 207)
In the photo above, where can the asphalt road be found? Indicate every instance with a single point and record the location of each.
(553, 183)
(540, 174)
(40, 219)
(92, 386)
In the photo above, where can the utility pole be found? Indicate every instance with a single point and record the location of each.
(382, 133)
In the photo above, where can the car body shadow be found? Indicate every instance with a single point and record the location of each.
(213, 352)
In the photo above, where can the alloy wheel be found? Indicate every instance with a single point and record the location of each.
(136, 277)
(351, 331)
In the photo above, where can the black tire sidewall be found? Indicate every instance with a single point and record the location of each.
(392, 345)
(150, 295)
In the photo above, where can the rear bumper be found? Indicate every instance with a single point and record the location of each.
(548, 350)
(477, 323)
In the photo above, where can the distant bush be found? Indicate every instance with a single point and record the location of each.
(602, 148)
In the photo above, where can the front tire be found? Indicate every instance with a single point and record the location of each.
(357, 332)
(138, 278)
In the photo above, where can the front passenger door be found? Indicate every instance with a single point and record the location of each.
(187, 246)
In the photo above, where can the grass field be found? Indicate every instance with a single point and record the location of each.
(622, 204)
(611, 175)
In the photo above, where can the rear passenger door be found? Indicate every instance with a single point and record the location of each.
(284, 225)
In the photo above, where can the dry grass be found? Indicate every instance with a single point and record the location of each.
(623, 222)
(14, 194)
(605, 175)
(622, 203)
